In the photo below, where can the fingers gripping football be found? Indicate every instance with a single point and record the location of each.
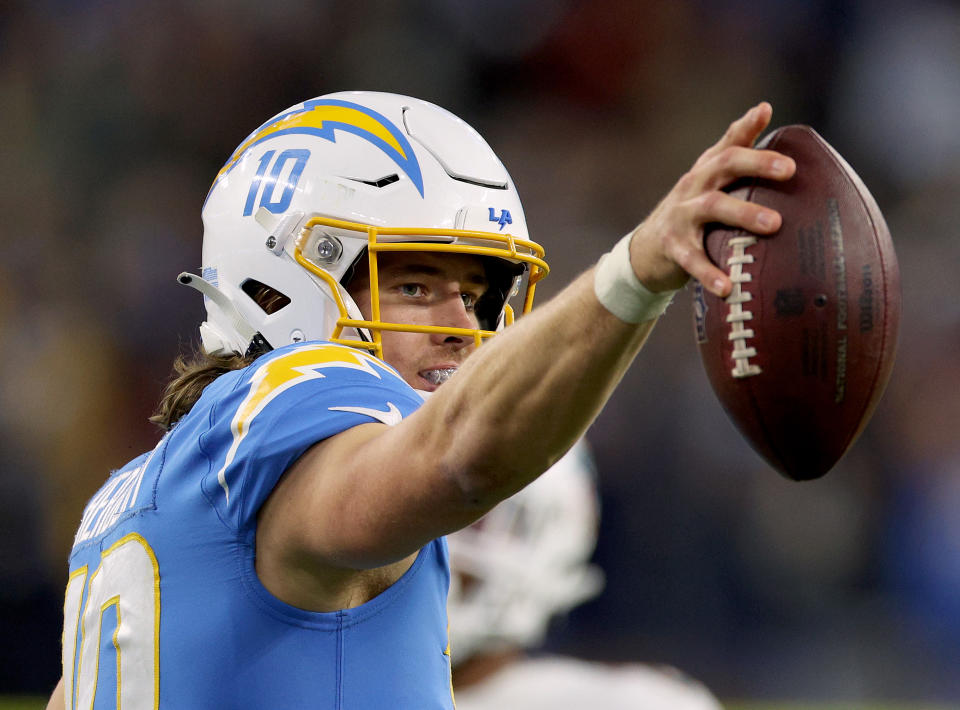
(667, 247)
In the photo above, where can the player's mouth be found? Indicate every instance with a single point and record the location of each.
(437, 376)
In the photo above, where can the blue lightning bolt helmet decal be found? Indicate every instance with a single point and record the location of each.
(321, 118)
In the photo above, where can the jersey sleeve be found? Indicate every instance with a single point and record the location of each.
(283, 404)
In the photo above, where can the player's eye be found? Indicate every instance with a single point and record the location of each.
(469, 300)
(411, 290)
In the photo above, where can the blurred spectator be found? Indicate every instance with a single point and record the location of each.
(513, 572)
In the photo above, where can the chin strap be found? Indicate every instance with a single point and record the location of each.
(214, 343)
(258, 346)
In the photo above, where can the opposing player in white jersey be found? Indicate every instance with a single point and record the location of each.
(283, 544)
(513, 572)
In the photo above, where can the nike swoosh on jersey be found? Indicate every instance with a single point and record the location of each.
(390, 417)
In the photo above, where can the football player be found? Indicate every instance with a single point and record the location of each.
(282, 545)
(515, 570)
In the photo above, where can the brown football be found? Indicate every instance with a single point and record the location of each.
(801, 351)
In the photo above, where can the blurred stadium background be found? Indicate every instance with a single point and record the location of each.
(115, 116)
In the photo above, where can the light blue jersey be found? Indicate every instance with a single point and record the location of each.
(163, 606)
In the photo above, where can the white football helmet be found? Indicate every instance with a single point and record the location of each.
(525, 561)
(329, 180)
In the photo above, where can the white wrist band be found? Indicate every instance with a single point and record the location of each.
(620, 291)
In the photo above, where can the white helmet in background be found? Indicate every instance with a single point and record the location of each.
(336, 178)
(525, 561)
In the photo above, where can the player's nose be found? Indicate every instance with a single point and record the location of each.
(453, 313)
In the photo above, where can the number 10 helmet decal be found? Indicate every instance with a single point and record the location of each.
(341, 178)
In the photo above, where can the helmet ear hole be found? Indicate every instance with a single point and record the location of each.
(501, 277)
(268, 298)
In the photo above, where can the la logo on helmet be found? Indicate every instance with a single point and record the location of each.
(503, 219)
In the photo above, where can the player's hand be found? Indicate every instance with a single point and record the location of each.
(667, 247)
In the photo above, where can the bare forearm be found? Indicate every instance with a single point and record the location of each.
(525, 397)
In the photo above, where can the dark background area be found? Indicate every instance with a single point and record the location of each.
(115, 117)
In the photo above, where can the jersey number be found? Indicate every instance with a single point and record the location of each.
(275, 204)
(123, 593)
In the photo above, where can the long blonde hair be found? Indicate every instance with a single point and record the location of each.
(190, 377)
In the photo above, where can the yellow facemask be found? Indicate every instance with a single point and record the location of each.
(395, 239)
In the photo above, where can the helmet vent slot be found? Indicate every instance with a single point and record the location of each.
(382, 182)
(479, 183)
(268, 298)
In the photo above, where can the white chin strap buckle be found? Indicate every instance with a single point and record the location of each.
(213, 342)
